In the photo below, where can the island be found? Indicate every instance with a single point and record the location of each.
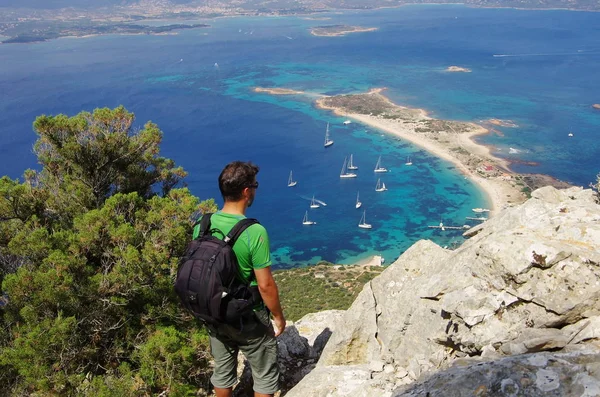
(596, 106)
(338, 30)
(458, 69)
(278, 91)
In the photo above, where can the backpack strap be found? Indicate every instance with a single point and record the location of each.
(204, 224)
(238, 229)
(236, 232)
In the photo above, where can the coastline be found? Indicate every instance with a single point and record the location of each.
(500, 191)
(314, 14)
(496, 192)
(452, 141)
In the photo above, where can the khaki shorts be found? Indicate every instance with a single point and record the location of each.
(256, 340)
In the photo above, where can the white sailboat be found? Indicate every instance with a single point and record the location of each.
(408, 161)
(305, 220)
(344, 173)
(313, 203)
(291, 181)
(358, 203)
(380, 187)
(351, 165)
(378, 167)
(328, 142)
(363, 222)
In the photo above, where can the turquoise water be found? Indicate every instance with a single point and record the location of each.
(197, 86)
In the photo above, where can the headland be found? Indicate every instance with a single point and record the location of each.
(450, 140)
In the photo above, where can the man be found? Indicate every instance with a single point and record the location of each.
(256, 338)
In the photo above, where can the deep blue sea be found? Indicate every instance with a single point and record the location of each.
(537, 68)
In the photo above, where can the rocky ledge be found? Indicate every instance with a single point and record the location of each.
(514, 311)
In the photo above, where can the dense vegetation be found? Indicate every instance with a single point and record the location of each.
(88, 251)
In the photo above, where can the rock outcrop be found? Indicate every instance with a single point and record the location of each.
(531, 375)
(527, 281)
(299, 346)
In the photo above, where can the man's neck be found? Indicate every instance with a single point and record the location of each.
(234, 208)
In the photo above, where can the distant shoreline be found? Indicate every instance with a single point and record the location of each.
(117, 29)
(195, 14)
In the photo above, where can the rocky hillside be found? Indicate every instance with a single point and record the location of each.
(513, 311)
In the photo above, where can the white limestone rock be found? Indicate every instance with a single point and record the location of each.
(527, 280)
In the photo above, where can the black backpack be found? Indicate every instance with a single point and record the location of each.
(206, 280)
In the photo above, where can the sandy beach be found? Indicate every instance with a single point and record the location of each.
(497, 191)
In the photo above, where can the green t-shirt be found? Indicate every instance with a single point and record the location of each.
(251, 248)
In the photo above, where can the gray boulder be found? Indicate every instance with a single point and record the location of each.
(528, 280)
(531, 375)
(299, 348)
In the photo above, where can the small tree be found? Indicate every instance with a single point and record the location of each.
(92, 156)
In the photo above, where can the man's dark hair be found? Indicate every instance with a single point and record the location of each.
(235, 177)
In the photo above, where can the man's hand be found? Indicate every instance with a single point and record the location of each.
(279, 323)
(270, 294)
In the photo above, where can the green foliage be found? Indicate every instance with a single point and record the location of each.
(99, 154)
(88, 254)
(171, 357)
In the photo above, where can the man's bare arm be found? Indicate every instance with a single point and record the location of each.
(270, 295)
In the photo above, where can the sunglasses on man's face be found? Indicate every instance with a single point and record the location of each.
(253, 186)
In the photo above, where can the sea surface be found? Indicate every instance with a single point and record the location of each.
(537, 68)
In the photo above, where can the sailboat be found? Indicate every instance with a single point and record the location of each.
(363, 222)
(291, 182)
(378, 167)
(380, 186)
(351, 165)
(408, 161)
(328, 142)
(305, 220)
(358, 203)
(313, 203)
(344, 173)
